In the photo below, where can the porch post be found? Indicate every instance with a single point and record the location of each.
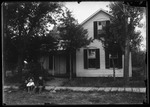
(130, 65)
(123, 65)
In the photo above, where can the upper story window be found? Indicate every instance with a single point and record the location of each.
(98, 27)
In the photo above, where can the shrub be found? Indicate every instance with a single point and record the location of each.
(138, 59)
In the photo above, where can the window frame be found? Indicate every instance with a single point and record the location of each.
(108, 60)
(100, 31)
(87, 59)
(111, 59)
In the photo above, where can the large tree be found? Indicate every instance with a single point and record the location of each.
(25, 26)
(73, 35)
(121, 30)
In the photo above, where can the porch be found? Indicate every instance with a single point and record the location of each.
(58, 64)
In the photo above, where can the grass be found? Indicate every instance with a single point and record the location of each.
(12, 80)
(70, 97)
(103, 82)
(92, 82)
(136, 81)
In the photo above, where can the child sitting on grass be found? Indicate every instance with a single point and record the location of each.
(40, 84)
(30, 85)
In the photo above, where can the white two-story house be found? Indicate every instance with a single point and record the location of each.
(92, 60)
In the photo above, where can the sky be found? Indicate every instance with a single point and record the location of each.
(83, 10)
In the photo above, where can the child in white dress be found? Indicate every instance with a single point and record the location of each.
(30, 85)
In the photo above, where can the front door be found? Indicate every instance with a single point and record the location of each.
(60, 65)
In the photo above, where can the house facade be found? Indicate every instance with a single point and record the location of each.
(92, 60)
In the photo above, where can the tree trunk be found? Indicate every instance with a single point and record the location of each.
(20, 66)
(126, 55)
(70, 76)
(4, 68)
(114, 75)
(126, 62)
(4, 29)
(53, 65)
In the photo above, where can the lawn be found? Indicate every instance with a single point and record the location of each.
(137, 80)
(69, 97)
(103, 82)
(94, 82)
(91, 82)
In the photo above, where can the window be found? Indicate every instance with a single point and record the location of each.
(98, 27)
(91, 54)
(91, 58)
(113, 57)
(117, 57)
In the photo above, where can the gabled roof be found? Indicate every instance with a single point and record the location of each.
(100, 10)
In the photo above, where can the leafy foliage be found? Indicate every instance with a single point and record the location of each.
(73, 35)
(26, 30)
(138, 59)
(115, 32)
(36, 70)
(122, 32)
(25, 27)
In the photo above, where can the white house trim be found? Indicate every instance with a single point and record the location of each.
(100, 10)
